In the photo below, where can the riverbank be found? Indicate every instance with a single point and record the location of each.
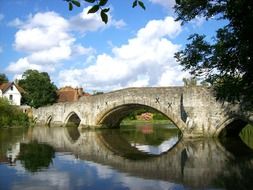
(12, 116)
(131, 122)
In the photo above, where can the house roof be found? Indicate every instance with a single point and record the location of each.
(5, 86)
(69, 94)
(66, 96)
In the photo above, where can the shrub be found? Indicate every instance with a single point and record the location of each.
(11, 116)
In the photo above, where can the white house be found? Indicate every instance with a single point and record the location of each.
(12, 92)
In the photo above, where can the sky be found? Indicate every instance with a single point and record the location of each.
(134, 49)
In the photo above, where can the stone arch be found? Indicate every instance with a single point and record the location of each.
(72, 118)
(114, 115)
(49, 120)
(231, 126)
(35, 119)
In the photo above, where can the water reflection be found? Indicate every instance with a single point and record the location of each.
(73, 132)
(34, 156)
(153, 139)
(100, 160)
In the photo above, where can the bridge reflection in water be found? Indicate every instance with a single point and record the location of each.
(199, 163)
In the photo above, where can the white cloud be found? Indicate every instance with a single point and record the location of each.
(198, 21)
(168, 4)
(146, 60)
(48, 39)
(1, 49)
(84, 22)
(78, 49)
(21, 65)
(42, 31)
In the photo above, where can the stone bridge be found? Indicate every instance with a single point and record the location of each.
(194, 110)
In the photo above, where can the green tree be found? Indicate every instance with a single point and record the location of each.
(39, 90)
(227, 61)
(3, 78)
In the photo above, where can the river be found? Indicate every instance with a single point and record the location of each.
(141, 156)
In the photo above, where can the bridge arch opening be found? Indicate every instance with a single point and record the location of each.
(48, 121)
(115, 116)
(233, 127)
(72, 120)
(241, 132)
(142, 132)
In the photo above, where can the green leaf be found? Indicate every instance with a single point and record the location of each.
(94, 9)
(104, 17)
(141, 4)
(134, 4)
(102, 2)
(178, 1)
(70, 6)
(76, 3)
(106, 10)
(90, 1)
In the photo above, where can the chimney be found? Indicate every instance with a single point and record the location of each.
(80, 92)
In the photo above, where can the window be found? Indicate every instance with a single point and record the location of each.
(11, 88)
(11, 97)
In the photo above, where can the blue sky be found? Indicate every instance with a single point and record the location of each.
(134, 49)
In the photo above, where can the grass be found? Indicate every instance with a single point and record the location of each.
(131, 122)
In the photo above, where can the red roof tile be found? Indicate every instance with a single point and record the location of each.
(6, 86)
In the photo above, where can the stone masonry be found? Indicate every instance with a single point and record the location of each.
(194, 110)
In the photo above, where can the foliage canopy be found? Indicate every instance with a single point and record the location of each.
(3, 78)
(39, 90)
(227, 62)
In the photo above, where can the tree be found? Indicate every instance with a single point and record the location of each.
(100, 5)
(226, 62)
(39, 90)
(3, 78)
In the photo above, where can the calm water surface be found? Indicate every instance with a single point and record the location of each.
(143, 156)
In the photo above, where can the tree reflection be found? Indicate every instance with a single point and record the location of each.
(238, 177)
(35, 156)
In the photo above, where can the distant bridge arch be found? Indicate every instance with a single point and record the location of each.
(73, 118)
(49, 119)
